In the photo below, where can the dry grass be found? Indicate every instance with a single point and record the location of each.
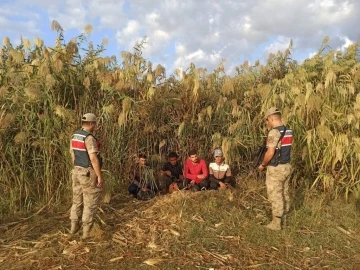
(210, 229)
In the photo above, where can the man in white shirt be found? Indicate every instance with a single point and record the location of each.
(219, 172)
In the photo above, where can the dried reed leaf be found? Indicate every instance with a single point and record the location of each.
(162, 144)
(153, 261)
(200, 118)
(209, 111)
(121, 119)
(152, 245)
(330, 79)
(116, 259)
(176, 233)
(105, 42)
(88, 29)
(17, 56)
(6, 120)
(150, 92)
(38, 42)
(324, 133)
(126, 104)
(21, 137)
(6, 41)
(32, 93)
(309, 91)
(227, 86)
(55, 26)
(196, 88)
(50, 81)
(87, 83)
(149, 77)
(109, 109)
(181, 128)
(60, 111)
(57, 64)
(159, 71)
(3, 91)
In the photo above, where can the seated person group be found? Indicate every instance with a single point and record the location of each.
(195, 175)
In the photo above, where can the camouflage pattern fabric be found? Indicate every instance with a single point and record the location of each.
(86, 195)
(277, 185)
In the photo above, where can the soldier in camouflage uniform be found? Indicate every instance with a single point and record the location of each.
(277, 162)
(86, 176)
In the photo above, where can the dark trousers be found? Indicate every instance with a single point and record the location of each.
(214, 185)
(204, 184)
(165, 182)
(134, 189)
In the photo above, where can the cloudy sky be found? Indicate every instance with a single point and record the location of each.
(178, 32)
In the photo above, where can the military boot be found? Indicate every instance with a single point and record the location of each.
(75, 227)
(275, 224)
(86, 232)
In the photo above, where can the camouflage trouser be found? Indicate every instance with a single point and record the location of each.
(277, 185)
(86, 195)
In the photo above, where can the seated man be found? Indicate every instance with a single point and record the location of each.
(196, 172)
(143, 184)
(171, 172)
(219, 172)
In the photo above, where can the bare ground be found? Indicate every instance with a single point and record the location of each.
(205, 230)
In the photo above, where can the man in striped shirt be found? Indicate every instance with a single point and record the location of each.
(219, 172)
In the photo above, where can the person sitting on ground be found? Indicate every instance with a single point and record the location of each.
(196, 172)
(143, 184)
(171, 172)
(219, 172)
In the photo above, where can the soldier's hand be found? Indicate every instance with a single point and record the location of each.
(222, 185)
(261, 167)
(99, 182)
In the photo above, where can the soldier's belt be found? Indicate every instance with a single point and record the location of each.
(79, 168)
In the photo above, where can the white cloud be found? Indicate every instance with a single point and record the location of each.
(180, 49)
(347, 43)
(326, 3)
(203, 32)
(312, 54)
(131, 28)
(281, 44)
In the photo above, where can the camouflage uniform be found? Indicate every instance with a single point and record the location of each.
(277, 176)
(86, 194)
(277, 185)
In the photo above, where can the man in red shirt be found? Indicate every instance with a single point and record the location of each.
(196, 172)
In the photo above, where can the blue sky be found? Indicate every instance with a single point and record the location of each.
(190, 31)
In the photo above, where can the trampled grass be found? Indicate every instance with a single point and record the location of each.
(205, 230)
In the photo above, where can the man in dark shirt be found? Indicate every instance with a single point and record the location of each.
(171, 172)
